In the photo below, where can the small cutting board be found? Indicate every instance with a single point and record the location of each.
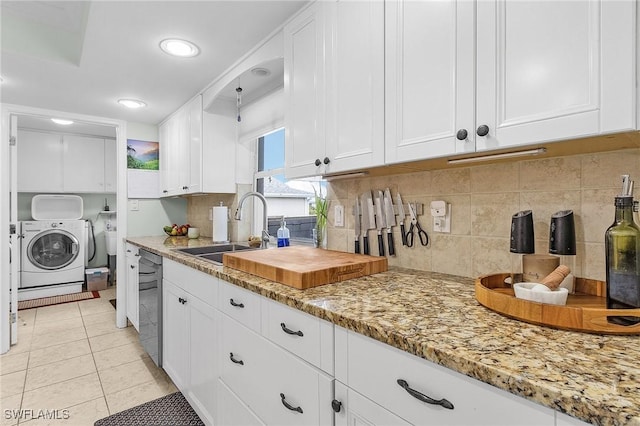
(304, 267)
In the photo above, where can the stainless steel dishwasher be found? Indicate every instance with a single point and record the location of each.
(150, 304)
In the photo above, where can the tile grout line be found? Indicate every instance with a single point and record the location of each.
(104, 396)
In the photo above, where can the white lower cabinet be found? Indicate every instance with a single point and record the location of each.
(421, 392)
(356, 410)
(132, 264)
(279, 387)
(190, 324)
(233, 411)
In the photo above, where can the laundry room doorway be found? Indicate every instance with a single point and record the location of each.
(29, 169)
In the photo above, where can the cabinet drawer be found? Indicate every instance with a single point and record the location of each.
(240, 304)
(374, 369)
(234, 412)
(265, 377)
(201, 285)
(300, 333)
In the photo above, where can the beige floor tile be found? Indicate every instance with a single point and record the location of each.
(57, 338)
(109, 293)
(119, 355)
(82, 414)
(12, 383)
(53, 326)
(57, 312)
(120, 337)
(60, 371)
(128, 375)
(57, 353)
(136, 395)
(94, 306)
(26, 318)
(24, 343)
(100, 328)
(107, 317)
(10, 418)
(64, 394)
(12, 362)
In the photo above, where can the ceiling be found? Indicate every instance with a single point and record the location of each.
(81, 57)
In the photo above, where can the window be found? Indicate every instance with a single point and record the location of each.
(292, 199)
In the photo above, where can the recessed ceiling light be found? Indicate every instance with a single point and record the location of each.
(61, 122)
(181, 48)
(261, 72)
(132, 103)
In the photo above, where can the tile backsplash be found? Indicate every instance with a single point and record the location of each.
(483, 199)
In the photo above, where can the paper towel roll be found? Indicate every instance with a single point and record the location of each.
(220, 223)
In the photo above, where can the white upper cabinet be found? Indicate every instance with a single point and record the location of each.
(83, 164)
(50, 162)
(476, 76)
(197, 152)
(334, 88)
(304, 92)
(554, 70)
(429, 78)
(39, 162)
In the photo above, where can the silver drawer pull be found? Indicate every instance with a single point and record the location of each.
(288, 331)
(235, 361)
(289, 406)
(424, 398)
(237, 305)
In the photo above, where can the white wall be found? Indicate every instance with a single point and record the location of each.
(152, 214)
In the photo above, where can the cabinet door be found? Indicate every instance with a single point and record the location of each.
(553, 70)
(83, 162)
(193, 146)
(429, 78)
(175, 349)
(164, 131)
(355, 85)
(218, 153)
(304, 90)
(356, 410)
(132, 265)
(172, 155)
(39, 162)
(110, 166)
(203, 371)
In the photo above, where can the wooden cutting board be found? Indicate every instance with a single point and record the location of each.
(304, 267)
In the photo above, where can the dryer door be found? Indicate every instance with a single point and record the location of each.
(53, 249)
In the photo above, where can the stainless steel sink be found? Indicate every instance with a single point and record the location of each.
(214, 253)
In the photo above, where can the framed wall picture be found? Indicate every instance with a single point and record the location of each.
(143, 164)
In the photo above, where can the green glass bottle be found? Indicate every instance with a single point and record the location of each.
(622, 245)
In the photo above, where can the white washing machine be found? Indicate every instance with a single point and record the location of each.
(52, 248)
(53, 253)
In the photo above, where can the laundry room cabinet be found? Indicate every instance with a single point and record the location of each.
(334, 88)
(49, 162)
(478, 76)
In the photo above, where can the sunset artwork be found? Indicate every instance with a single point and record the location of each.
(142, 155)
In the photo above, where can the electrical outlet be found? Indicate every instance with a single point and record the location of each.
(339, 216)
(134, 205)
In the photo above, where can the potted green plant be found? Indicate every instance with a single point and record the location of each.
(321, 207)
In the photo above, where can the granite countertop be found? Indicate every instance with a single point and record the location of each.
(595, 378)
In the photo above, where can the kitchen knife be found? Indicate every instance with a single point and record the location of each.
(390, 218)
(380, 222)
(402, 215)
(356, 212)
(366, 222)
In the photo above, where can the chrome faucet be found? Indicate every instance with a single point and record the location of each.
(265, 228)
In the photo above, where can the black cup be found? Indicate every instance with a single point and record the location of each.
(562, 233)
(522, 240)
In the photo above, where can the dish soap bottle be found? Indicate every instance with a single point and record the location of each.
(622, 246)
(283, 234)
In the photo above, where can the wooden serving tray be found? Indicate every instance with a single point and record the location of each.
(304, 267)
(585, 310)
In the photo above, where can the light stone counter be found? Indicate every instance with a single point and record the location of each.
(436, 317)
